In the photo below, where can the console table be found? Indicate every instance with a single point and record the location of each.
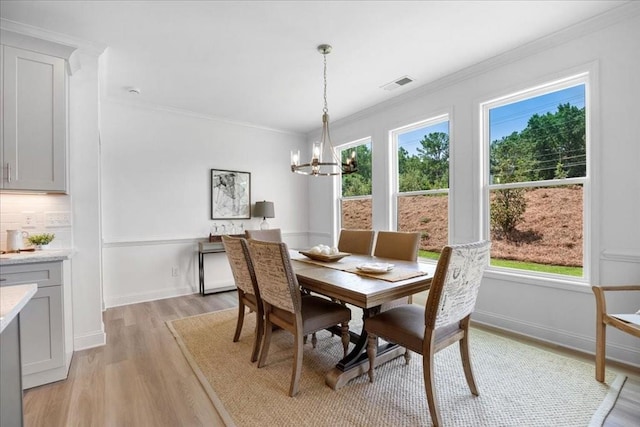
(213, 246)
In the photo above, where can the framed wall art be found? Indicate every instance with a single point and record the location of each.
(230, 194)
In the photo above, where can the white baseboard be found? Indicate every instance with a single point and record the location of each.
(148, 296)
(90, 340)
(584, 344)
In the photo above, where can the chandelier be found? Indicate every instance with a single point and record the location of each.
(316, 166)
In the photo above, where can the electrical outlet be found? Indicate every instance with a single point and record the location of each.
(28, 219)
(57, 219)
(174, 271)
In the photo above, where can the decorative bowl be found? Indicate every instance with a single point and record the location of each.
(325, 258)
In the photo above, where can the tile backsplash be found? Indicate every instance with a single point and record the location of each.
(35, 214)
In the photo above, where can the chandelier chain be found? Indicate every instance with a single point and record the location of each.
(326, 107)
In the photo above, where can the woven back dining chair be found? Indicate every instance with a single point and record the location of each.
(248, 292)
(286, 307)
(271, 235)
(356, 241)
(443, 321)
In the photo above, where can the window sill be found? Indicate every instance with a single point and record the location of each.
(548, 281)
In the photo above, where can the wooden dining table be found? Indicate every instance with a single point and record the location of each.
(343, 281)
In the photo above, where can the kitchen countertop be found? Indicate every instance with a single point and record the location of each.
(12, 301)
(46, 255)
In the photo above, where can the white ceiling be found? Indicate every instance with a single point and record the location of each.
(256, 61)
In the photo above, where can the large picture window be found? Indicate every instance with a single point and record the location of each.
(537, 163)
(355, 188)
(422, 197)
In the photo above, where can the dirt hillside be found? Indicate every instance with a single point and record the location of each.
(551, 232)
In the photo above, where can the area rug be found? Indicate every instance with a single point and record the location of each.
(519, 385)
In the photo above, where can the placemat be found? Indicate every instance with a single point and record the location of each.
(395, 275)
(338, 265)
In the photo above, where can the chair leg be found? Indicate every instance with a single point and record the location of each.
(297, 364)
(466, 364)
(259, 332)
(236, 336)
(601, 339)
(429, 385)
(266, 341)
(407, 356)
(344, 328)
(314, 340)
(372, 349)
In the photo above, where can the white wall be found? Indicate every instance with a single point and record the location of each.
(156, 195)
(562, 313)
(84, 154)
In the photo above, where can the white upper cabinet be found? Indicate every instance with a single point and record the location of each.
(34, 121)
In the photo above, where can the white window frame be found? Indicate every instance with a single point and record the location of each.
(338, 190)
(582, 78)
(395, 181)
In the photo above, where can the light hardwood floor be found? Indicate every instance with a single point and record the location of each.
(140, 377)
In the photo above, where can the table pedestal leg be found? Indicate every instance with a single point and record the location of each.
(356, 362)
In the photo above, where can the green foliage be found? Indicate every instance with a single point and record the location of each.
(428, 169)
(552, 146)
(41, 239)
(532, 266)
(355, 185)
(507, 211)
(560, 173)
(359, 183)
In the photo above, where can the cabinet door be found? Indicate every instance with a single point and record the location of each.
(34, 123)
(41, 331)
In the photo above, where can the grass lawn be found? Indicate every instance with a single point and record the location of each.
(520, 265)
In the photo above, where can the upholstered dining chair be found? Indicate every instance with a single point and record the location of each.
(284, 305)
(248, 292)
(397, 245)
(356, 241)
(443, 321)
(603, 319)
(271, 235)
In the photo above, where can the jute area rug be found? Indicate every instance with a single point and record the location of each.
(519, 385)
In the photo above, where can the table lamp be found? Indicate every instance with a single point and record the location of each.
(265, 210)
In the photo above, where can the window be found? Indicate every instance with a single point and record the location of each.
(422, 197)
(355, 188)
(536, 157)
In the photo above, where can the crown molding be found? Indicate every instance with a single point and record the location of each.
(621, 13)
(188, 113)
(84, 46)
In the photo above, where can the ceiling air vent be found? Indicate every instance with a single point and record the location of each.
(397, 83)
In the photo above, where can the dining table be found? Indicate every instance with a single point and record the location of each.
(348, 280)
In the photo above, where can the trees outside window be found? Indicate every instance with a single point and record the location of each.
(423, 182)
(355, 188)
(537, 173)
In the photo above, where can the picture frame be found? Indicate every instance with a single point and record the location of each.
(230, 194)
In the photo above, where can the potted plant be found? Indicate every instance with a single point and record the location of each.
(41, 241)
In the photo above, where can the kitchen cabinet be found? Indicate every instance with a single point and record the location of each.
(45, 330)
(12, 300)
(34, 122)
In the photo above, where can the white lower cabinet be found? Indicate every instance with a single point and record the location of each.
(45, 331)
